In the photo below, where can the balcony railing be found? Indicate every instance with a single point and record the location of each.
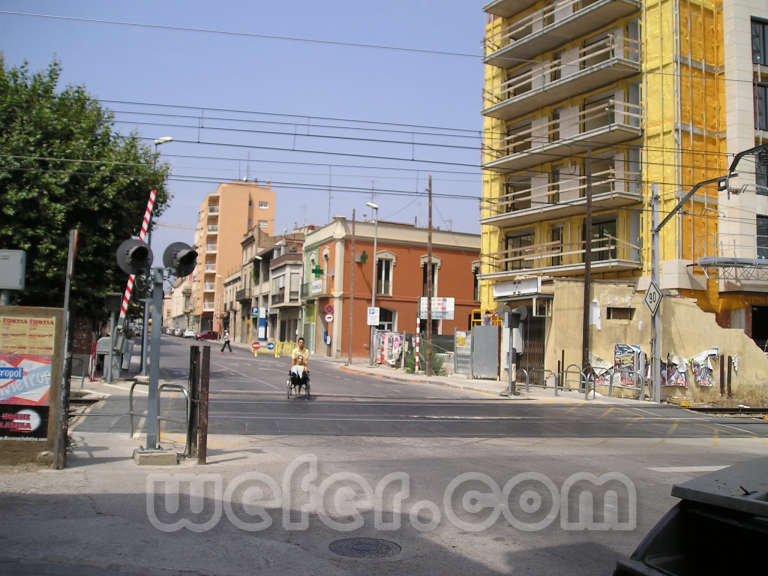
(210, 248)
(563, 258)
(552, 26)
(242, 294)
(213, 229)
(601, 63)
(313, 289)
(209, 288)
(564, 198)
(600, 124)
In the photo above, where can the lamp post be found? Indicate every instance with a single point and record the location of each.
(257, 262)
(375, 208)
(144, 336)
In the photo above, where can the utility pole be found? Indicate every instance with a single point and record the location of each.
(656, 318)
(587, 266)
(428, 359)
(351, 292)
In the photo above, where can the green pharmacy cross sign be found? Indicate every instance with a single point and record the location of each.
(317, 271)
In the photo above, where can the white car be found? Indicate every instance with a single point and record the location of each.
(189, 333)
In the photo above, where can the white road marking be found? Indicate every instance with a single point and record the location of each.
(687, 469)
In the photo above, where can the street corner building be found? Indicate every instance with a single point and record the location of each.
(590, 106)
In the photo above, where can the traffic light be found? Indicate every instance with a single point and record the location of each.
(180, 259)
(134, 256)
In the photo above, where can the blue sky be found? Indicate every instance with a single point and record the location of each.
(297, 88)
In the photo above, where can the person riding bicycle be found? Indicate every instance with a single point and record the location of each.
(300, 363)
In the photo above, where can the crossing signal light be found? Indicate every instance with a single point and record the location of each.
(180, 258)
(134, 256)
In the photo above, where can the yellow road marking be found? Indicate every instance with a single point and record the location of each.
(611, 409)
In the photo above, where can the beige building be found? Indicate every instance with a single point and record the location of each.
(224, 218)
(177, 305)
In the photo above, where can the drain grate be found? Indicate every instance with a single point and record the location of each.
(364, 548)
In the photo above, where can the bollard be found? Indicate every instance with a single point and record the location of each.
(205, 380)
(194, 391)
(722, 375)
(730, 368)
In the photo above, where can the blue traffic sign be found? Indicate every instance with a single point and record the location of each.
(271, 346)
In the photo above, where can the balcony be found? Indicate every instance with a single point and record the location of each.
(213, 229)
(210, 249)
(314, 289)
(608, 254)
(546, 29)
(560, 200)
(601, 63)
(209, 288)
(507, 8)
(600, 124)
(208, 306)
(242, 295)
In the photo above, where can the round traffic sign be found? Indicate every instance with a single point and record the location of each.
(270, 346)
(256, 345)
(329, 309)
(329, 317)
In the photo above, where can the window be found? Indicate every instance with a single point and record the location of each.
(556, 237)
(762, 237)
(517, 248)
(386, 319)
(554, 186)
(384, 276)
(603, 247)
(424, 280)
(761, 178)
(620, 313)
(760, 42)
(475, 283)
(263, 204)
(517, 194)
(761, 107)
(263, 224)
(555, 68)
(554, 125)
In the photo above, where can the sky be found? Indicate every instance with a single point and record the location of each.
(330, 126)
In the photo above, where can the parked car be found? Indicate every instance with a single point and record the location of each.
(178, 332)
(189, 333)
(207, 335)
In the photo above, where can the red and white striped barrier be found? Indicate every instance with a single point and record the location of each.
(418, 341)
(132, 277)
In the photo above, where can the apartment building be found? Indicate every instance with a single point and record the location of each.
(223, 219)
(607, 100)
(400, 280)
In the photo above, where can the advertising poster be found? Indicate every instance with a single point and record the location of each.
(26, 355)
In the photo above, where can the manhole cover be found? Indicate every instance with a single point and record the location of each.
(364, 548)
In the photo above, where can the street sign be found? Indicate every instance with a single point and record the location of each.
(329, 317)
(270, 346)
(256, 345)
(653, 298)
(442, 308)
(329, 309)
(254, 312)
(373, 315)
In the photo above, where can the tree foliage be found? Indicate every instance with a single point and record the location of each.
(64, 166)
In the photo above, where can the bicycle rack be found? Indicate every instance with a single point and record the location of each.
(167, 386)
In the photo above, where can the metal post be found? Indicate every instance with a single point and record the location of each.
(205, 379)
(154, 360)
(5, 297)
(730, 372)
(722, 375)
(62, 406)
(373, 277)
(587, 267)
(656, 318)
(194, 397)
(111, 346)
(428, 356)
(351, 291)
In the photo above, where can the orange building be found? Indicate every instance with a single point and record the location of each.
(401, 280)
(224, 218)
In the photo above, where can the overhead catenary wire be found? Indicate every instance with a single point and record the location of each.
(303, 39)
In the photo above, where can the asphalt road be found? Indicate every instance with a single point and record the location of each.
(248, 397)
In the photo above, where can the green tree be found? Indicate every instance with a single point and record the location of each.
(64, 166)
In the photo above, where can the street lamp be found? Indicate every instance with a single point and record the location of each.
(257, 262)
(144, 336)
(375, 208)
